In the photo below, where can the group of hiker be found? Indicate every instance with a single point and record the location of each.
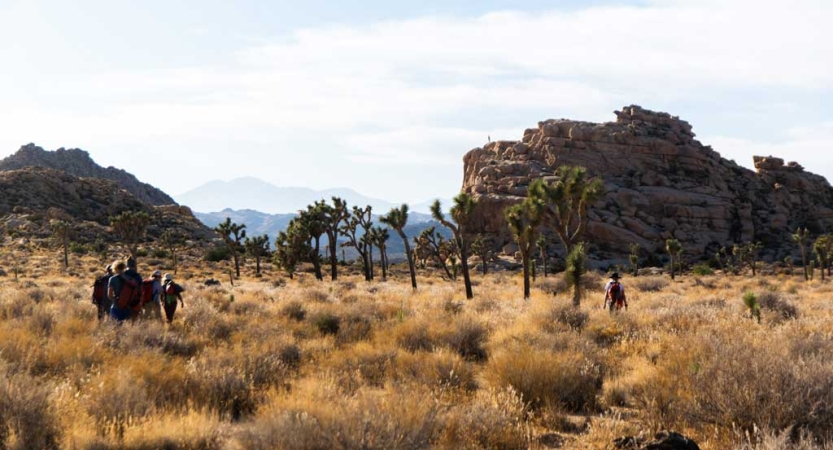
(122, 294)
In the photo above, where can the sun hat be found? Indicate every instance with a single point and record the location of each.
(169, 277)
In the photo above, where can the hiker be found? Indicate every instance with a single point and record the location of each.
(100, 298)
(152, 296)
(124, 289)
(615, 294)
(173, 292)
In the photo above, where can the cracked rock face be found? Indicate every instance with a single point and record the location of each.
(660, 183)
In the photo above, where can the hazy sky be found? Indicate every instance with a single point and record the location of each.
(385, 97)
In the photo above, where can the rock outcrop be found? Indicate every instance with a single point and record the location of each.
(31, 197)
(78, 163)
(660, 183)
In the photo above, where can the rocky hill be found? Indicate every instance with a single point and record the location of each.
(660, 182)
(78, 163)
(31, 197)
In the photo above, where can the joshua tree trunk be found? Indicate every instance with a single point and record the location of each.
(804, 263)
(672, 267)
(316, 260)
(333, 256)
(66, 258)
(370, 262)
(525, 258)
(176, 261)
(464, 256)
(410, 256)
(236, 263)
(257, 264)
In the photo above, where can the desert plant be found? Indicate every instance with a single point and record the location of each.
(257, 247)
(62, 233)
(232, 235)
(633, 256)
(356, 229)
(334, 216)
(130, 227)
(291, 247)
(748, 254)
(432, 242)
(751, 302)
(541, 243)
(482, 247)
(566, 202)
(800, 237)
(460, 212)
(673, 247)
(576, 267)
(397, 218)
(524, 220)
(824, 251)
(379, 236)
(173, 241)
(315, 220)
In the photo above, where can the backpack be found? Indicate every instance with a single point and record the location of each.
(147, 293)
(100, 289)
(130, 294)
(617, 297)
(171, 291)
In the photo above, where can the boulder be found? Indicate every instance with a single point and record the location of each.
(664, 440)
(660, 182)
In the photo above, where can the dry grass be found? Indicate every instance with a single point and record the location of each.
(301, 364)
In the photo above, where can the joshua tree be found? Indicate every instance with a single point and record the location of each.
(291, 247)
(62, 233)
(524, 220)
(788, 261)
(800, 237)
(751, 302)
(397, 219)
(361, 218)
(566, 202)
(130, 227)
(482, 247)
(576, 268)
(173, 241)
(315, 219)
(232, 235)
(542, 252)
(257, 247)
(460, 212)
(335, 216)
(438, 247)
(748, 254)
(824, 252)
(379, 236)
(633, 257)
(673, 247)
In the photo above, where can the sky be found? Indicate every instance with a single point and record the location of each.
(386, 97)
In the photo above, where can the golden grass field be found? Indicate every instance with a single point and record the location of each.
(302, 364)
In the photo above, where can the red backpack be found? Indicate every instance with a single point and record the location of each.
(146, 293)
(130, 294)
(617, 296)
(100, 289)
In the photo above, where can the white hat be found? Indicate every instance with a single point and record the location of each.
(169, 277)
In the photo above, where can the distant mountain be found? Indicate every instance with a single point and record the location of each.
(253, 194)
(258, 223)
(79, 164)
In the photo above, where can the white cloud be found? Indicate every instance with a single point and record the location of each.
(426, 90)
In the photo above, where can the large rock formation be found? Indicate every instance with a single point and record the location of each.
(660, 182)
(31, 197)
(78, 162)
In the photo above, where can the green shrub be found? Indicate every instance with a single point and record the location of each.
(78, 248)
(160, 253)
(142, 252)
(702, 270)
(327, 323)
(217, 254)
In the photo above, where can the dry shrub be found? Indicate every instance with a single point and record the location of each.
(493, 419)
(117, 400)
(413, 336)
(326, 323)
(294, 310)
(189, 431)
(354, 327)
(773, 301)
(203, 318)
(220, 384)
(440, 369)
(742, 377)
(565, 316)
(363, 364)
(649, 284)
(403, 418)
(315, 295)
(467, 337)
(28, 418)
(565, 380)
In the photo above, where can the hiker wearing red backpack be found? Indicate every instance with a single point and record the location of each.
(151, 296)
(615, 294)
(173, 292)
(100, 299)
(124, 290)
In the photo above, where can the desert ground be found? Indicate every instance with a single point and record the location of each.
(304, 364)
